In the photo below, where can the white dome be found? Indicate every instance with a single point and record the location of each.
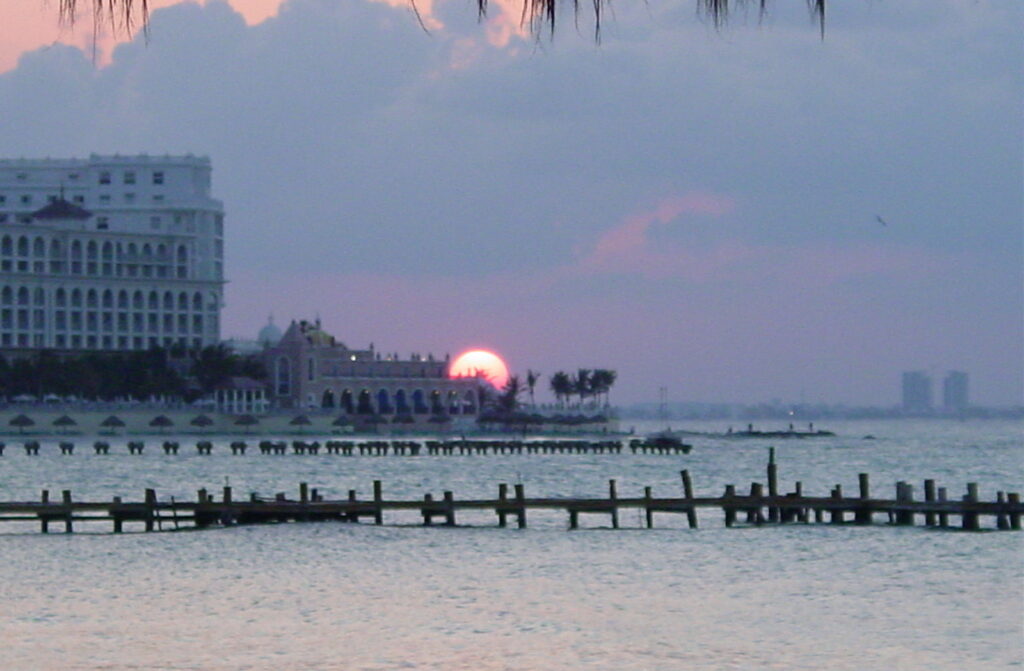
(269, 335)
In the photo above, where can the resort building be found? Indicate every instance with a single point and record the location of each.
(109, 253)
(308, 368)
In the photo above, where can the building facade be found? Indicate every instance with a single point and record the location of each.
(109, 253)
(954, 392)
(309, 368)
(917, 392)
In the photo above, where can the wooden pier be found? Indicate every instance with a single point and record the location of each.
(456, 447)
(759, 507)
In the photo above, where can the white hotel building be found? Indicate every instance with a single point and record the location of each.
(109, 253)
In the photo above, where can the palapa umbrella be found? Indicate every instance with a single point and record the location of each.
(22, 421)
(64, 422)
(342, 421)
(202, 421)
(111, 423)
(246, 421)
(300, 421)
(161, 422)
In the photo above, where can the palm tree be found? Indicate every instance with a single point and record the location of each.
(561, 386)
(601, 383)
(537, 14)
(532, 377)
(582, 384)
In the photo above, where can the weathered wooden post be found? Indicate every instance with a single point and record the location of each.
(648, 513)
(44, 521)
(612, 496)
(773, 485)
(502, 499)
(428, 517)
(65, 496)
(970, 518)
(574, 518)
(943, 514)
(150, 515)
(1013, 499)
(691, 511)
(449, 509)
(378, 510)
(352, 515)
(801, 511)
(906, 517)
(837, 516)
(118, 521)
(520, 506)
(863, 514)
(754, 513)
(1002, 522)
(929, 496)
(727, 506)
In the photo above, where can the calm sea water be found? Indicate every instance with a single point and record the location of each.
(341, 596)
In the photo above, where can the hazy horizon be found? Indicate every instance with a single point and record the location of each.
(697, 210)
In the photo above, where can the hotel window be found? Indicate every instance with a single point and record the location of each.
(104, 177)
(105, 198)
(154, 222)
(26, 200)
(158, 177)
(73, 176)
(102, 223)
(22, 176)
(129, 197)
(3, 199)
(158, 198)
(3, 218)
(129, 178)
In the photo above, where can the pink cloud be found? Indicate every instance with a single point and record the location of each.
(626, 247)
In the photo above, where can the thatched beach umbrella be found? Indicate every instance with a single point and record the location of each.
(64, 422)
(245, 421)
(300, 421)
(202, 421)
(161, 422)
(22, 422)
(111, 424)
(342, 421)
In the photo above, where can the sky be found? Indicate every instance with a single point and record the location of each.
(693, 208)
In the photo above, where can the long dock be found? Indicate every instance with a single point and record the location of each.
(412, 448)
(758, 507)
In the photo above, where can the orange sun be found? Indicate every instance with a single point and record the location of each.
(480, 362)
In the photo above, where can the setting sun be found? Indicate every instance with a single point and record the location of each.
(480, 362)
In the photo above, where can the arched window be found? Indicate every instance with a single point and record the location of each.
(384, 403)
(182, 254)
(23, 296)
(7, 246)
(147, 251)
(23, 246)
(60, 298)
(168, 301)
(469, 403)
(436, 406)
(108, 251)
(401, 403)
(346, 403)
(90, 298)
(39, 297)
(7, 296)
(122, 299)
(419, 402)
(56, 251)
(39, 248)
(76, 250)
(133, 251)
(328, 399)
(283, 377)
(453, 402)
(183, 301)
(108, 299)
(197, 302)
(91, 250)
(138, 302)
(154, 301)
(76, 298)
(365, 404)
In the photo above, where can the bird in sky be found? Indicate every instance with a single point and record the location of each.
(879, 219)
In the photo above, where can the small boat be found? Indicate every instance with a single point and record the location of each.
(668, 440)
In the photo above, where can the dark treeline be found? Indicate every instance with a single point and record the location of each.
(111, 375)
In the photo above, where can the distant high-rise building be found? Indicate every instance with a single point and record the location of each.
(109, 253)
(954, 391)
(917, 392)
